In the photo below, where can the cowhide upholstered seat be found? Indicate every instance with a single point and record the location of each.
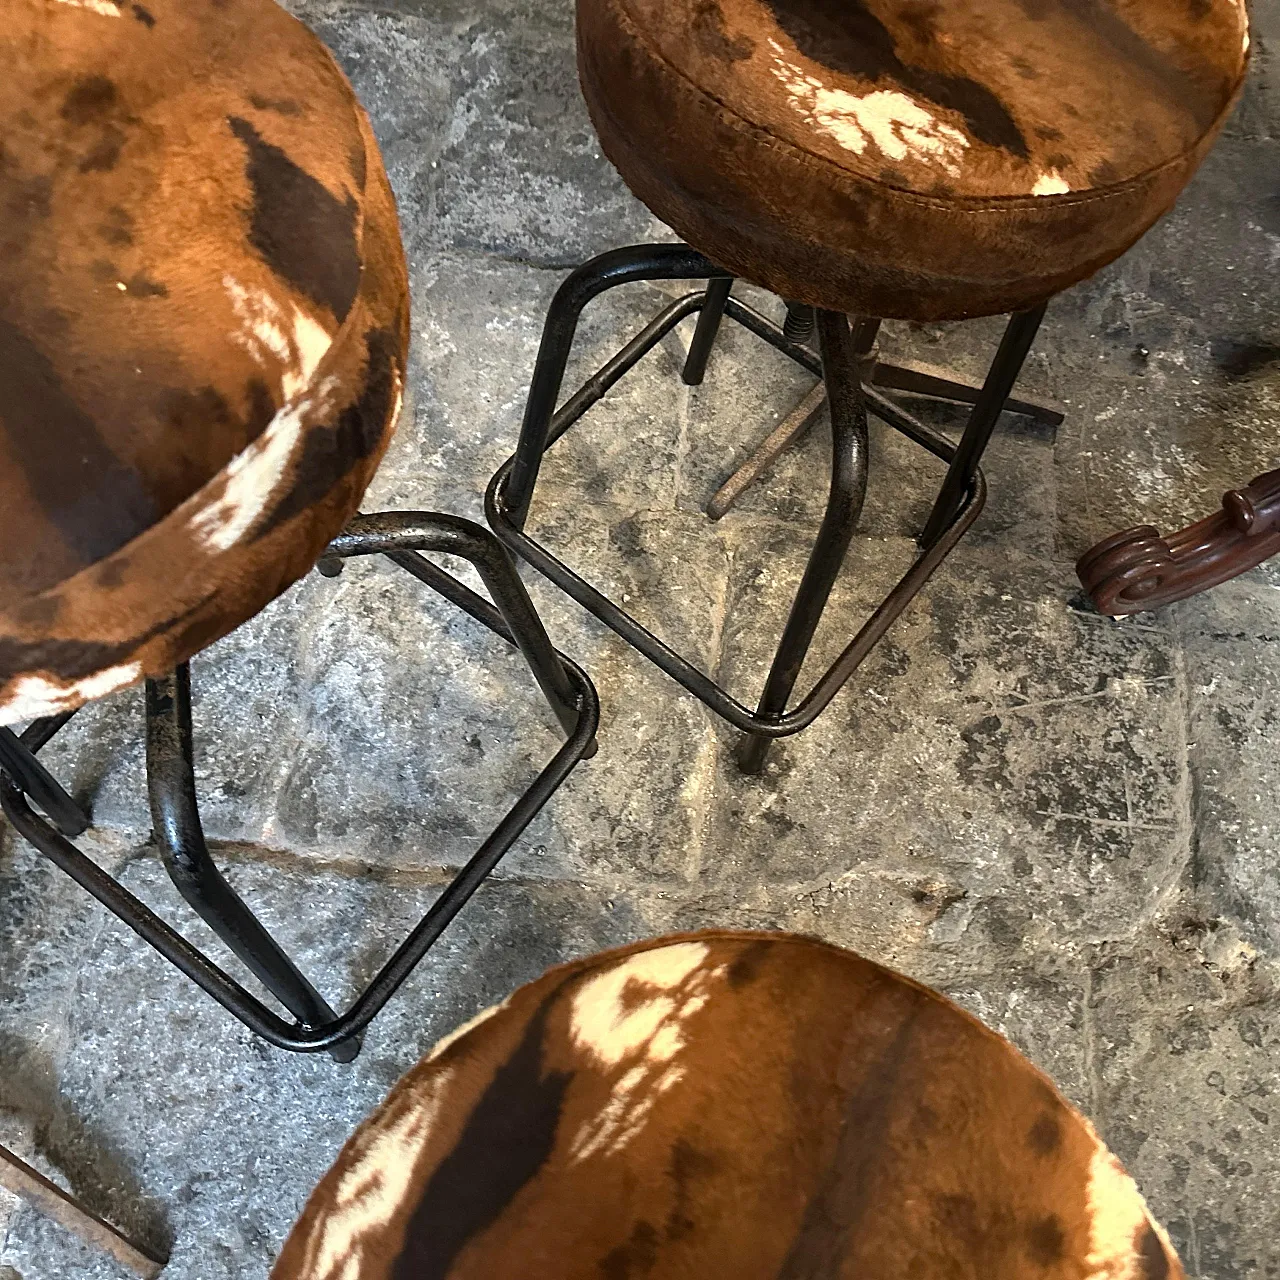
(204, 317)
(919, 160)
(754, 1106)
(925, 159)
(203, 324)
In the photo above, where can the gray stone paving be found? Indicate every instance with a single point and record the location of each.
(1066, 823)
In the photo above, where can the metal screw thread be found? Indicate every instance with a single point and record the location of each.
(799, 323)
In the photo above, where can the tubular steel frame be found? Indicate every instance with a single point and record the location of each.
(176, 818)
(847, 365)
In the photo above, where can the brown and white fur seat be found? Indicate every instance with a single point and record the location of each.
(203, 324)
(204, 316)
(754, 1106)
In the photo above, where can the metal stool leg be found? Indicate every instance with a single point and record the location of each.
(542, 425)
(919, 379)
(704, 336)
(20, 763)
(182, 842)
(400, 536)
(176, 818)
(848, 377)
(1014, 346)
(798, 422)
(844, 505)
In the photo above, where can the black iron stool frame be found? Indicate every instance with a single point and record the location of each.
(847, 364)
(176, 819)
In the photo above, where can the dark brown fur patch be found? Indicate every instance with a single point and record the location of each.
(1155, 1261)
(1045, 1136)
(709, 30)
(305, 234)
(90, 98)
(635, 1258)
(93, 501)
(508, 1136)
(354, 436)
(1045, 1241)
(849, 37)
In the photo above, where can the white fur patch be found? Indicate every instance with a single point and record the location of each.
(632, 1015)
(398, 406)
(1243, 10)
(897, 125)
(1118, 1219)
(1050, 183)
(104, 7)
(32, 697)
(605, 1027)
(296, 341)
(294, 344)
(254, 474)
(371, 1191)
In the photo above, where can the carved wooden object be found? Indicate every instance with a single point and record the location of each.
(1138, 569)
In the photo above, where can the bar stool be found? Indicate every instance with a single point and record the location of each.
(873, 159)
(758, 1106)
(204, 321)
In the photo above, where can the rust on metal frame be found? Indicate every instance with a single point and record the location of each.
(51, 1200)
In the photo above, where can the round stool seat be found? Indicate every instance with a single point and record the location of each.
(918, 159)
(755, 1106)
(203, 324)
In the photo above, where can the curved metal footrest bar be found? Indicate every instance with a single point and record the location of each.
(19, 762)
(567, 687)
(697, 682)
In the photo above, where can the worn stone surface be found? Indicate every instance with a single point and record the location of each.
(1186, 1093)
(1066, 823)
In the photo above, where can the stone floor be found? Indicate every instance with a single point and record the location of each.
(1065, 822)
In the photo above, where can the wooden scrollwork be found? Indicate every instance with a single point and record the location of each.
(1138, 569)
